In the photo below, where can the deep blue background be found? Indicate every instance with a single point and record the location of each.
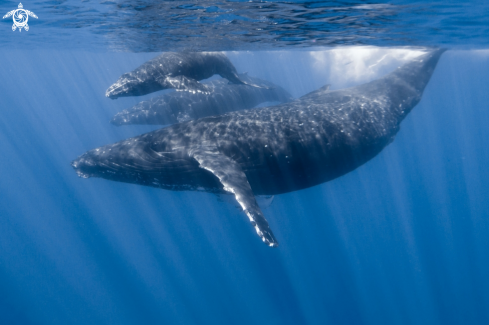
(402, 240)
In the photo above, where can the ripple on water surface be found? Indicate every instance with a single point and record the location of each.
(144, 26)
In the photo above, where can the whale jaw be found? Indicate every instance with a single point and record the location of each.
(81, 166)
(123, 87)
(130, 85)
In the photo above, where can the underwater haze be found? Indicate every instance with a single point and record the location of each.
(403, 239)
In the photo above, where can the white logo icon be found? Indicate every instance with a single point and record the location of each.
(20, 18)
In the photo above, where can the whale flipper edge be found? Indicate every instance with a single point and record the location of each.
(234, 180)
(256, 86)
(182, 83)
(235, 79)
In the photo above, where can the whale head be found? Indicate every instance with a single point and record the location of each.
(135, 160)
(109, 161)
(104, 162)
(148, 160)
(85, 166)
(132, 84)
(126, 85)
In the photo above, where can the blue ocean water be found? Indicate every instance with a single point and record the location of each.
(151, 26)
(403, 239)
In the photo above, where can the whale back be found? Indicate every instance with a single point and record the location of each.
(181, 106)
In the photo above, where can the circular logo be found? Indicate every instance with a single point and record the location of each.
(20, 18)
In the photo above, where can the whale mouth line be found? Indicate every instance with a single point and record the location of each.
(82, 175)
(114, 92)
(76, 165)
(119, 88)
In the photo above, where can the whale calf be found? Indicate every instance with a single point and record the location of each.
(221, 97)
(179, 70)
(270, 150)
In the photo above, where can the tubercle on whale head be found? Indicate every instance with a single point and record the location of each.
(93, 163)
(80, 165)
(126, 85)
(117, 90)
(120, 160)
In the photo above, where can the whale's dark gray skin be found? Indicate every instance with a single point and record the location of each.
(221, 97)
(271, 150)
(174, 70)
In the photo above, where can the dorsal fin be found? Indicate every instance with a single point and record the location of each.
(323, 89)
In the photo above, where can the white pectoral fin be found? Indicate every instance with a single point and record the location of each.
(234, 180)
(183, 83)
(30, 13)
(10, 13)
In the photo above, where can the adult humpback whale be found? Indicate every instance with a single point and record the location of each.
(174, 70)
(269, 150)
(222, 97)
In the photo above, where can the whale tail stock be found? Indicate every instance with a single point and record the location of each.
(419, 71)
(406, 84)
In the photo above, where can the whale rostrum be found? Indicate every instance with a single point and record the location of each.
(270, 150)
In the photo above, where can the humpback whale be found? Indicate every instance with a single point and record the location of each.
(270, 150)
(174, 70)
(222, 97)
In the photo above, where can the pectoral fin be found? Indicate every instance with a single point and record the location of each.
(256, 86)
(30, 13)
(234, 79)
(234, 180)
(182, 83)
(10, 13)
